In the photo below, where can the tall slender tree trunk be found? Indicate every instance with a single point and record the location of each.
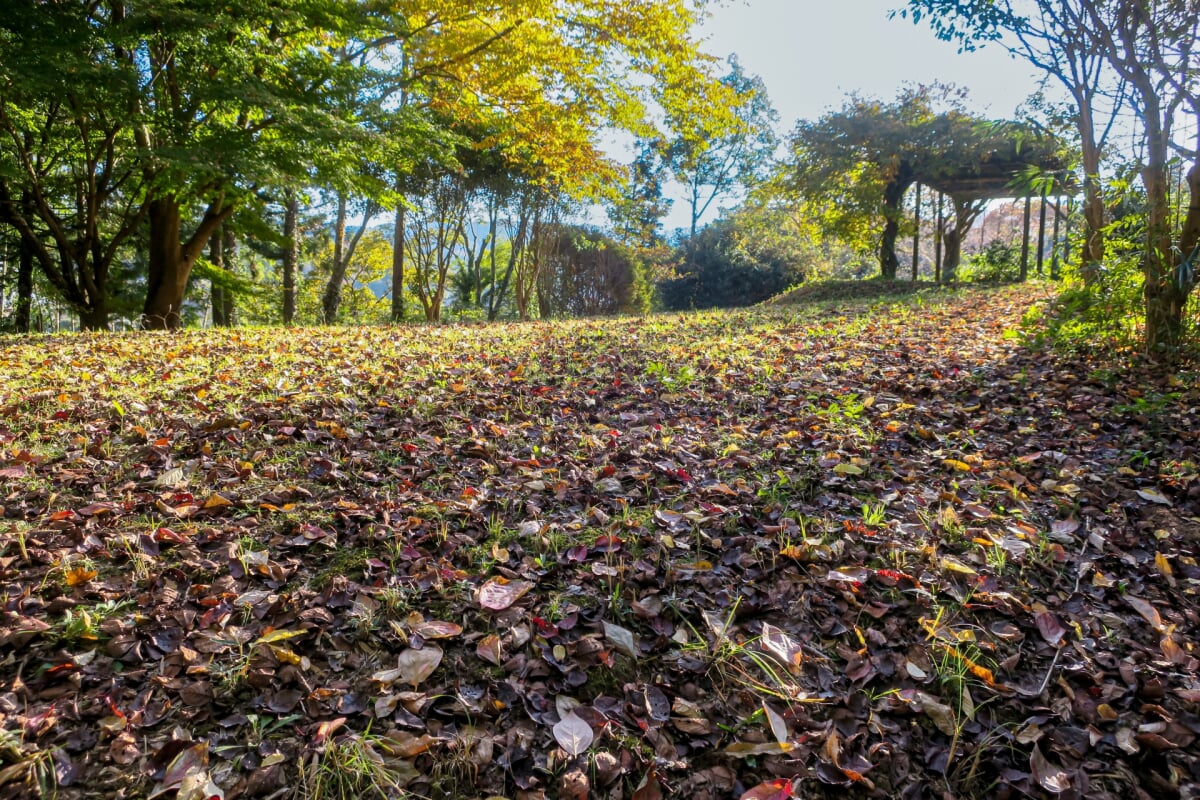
(343, 252)
(1092, 253)
(24, 305)
(1165, 294)
(291, 255)
(1166, 286)
(398, 266)
(916, 255)
(1041, 251)
(939, 239)
(221, 299)
(1055, 256)
(1026, 226)
(332, 297)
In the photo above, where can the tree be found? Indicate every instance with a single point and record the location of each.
(859, 162)
(735, 262)
(636, 213)
(1053, 36)
(713, 157)
(1153, 46)
(586, 274)
(171, 116)
(344, 247)
(67, 183)
(954, 230)
(1148, 46)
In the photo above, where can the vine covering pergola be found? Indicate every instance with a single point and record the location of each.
(1020, 172)
(858, 164)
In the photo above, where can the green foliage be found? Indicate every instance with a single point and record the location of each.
(856, 164)
(724, 267)
(712, 162)
(586, 273)
(999, 261)
(1103, 316)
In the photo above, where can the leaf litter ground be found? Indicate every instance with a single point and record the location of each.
(798, 551)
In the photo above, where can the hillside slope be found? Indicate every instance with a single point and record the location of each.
(881, 549)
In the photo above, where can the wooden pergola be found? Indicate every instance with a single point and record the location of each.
(998, 178)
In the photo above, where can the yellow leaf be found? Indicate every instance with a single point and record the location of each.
(278, 636)
(1163, 566)
(954, 565)
(77, 576)
(217, 501)
(955, 464)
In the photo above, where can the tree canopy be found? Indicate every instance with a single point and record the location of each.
(858, 162)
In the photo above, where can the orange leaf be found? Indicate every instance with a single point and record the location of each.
(77, 576)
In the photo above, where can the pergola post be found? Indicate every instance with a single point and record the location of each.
(1025, 239)
(1041, 254)
(937, 240)
(1054, 246)
(917, 235)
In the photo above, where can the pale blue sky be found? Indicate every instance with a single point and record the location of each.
(812, 53)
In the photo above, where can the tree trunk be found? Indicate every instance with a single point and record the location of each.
(24, 285)
(291, 256)
(939, 239)
(94, 318)
(1026, 222)
(398, 266)
(1041, 251)
(229, 249)
(332, 297)
(220, 304)
(953, 244)
(916, 255)
(1092, 253)
(965, 214)
(171, 261)
(1189, 235)
(893, 198)
(167, 275)
(1165, 294)
(343, 253)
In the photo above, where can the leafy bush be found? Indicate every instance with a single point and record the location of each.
(723, 268)
(1104, 316)
(999, 261)
(586, 273)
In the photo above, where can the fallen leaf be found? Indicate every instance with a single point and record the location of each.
(1049, 776)
(779, 789)
(942, 715)
(1051, 629)
(573, 735)
(1147, 611)
(1154, 496)
(621, 639)
(78, 576)
(783, 647)
(415, 665)
(749, 749)
(498, 593)
(435, 629)
(778, 727)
